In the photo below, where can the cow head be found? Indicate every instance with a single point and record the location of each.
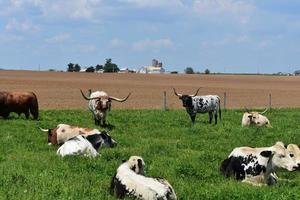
(137, 164)
(103, 103)
(187, 100)
(52, 135)
(294, 151)
(102, 139)
(279, 157)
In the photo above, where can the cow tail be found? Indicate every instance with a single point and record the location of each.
(34, 107)
(220, 117)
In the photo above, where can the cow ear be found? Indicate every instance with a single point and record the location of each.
(140, 163)
(266, 154)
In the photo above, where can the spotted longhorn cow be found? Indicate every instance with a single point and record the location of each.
(131, 181)
(257, 166)
(201, 104)
(99, 104)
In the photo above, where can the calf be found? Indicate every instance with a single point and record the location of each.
(130, 181)
(86, 145)
(255, 118)
(201, 104)
(64, 132)
(257, 165)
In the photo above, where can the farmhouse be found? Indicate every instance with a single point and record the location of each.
(155, 68)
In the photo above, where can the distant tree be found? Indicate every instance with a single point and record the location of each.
(77, 68)
(189, 70)
(90, 69)
(70, 67)
(207, 71)
(51, 70)
(99, 67)
(174, 72)
(110, 67)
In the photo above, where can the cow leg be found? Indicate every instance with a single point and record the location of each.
(27, 114)
(97, 122)
(193, 117)
(210, 117)
(216, 117)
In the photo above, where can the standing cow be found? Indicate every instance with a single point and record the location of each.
(19, 102)
(100, 104)
(201, 104)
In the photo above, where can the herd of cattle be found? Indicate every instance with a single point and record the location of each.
(256, 166)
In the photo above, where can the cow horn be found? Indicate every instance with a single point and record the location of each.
(87, 98)
(264, 111)
(247, 110)
(195, 93)
(179, 95)
(44, 130)
(120, 100)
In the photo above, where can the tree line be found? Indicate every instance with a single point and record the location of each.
(109, 66)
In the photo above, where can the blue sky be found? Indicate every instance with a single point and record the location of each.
(245, 36)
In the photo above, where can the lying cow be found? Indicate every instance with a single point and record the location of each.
(257, 165)
(130, 181)
(201, 104)
(294, 151)
(86, 145)
(19, 102)
(100, 104)
(64, 132)
(255, 118)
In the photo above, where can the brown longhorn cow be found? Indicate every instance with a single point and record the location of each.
(19, 102)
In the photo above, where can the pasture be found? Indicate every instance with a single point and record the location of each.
(187, 155)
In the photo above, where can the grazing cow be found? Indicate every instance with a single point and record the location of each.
(294, 151)
(130, 181)
(86, 145)
(19, 102)
(64, 132)
(201, 104)
(255, 118)
(257, 165)
(100, 104)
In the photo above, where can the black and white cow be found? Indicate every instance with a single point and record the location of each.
(130, 181)
(201, 104)
(86, 145)
(257, 166)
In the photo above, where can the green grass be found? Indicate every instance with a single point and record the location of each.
(187, 155)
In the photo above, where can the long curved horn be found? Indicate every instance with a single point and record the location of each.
(44, 130)
(264, 111)
(87, 98)
(179, 95)
(195, 93)
(120, 100)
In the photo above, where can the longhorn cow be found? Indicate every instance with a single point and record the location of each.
(19, 102)
(99, 104)
(201, 104)
(256, 118)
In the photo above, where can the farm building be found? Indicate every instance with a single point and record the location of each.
(155, 68)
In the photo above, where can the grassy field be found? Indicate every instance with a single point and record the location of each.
(187, 155)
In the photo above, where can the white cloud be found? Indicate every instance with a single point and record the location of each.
(116, 42)
(152, 44)
(26, 26)
(58, 38)
(239, 9)
(88, 48)
(154, 3)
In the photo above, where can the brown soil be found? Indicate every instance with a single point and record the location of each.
(60, 90)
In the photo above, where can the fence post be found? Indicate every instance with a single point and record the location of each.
(270, 101)
(224, 101)
(165, 101)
